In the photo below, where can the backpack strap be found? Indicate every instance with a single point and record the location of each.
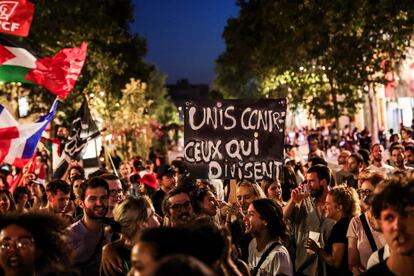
(368, 232)
(263, 258)
(381, 254)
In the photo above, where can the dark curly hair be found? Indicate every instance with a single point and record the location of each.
(79, 169)
(48, 231)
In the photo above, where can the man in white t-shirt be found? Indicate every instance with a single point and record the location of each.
(377, 155)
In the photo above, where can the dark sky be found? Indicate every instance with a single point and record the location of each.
(183, 36)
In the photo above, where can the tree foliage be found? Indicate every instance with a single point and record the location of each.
(114, 57)
(321, 54)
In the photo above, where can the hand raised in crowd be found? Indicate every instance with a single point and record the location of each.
(297, 195)
(312, 245)
(233, 210)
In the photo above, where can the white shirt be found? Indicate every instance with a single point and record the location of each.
(387, 169)
(277, 262)
(356, 230)
(374, 259)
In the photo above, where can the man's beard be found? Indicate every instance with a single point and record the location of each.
(91, 213)
(317, 193)
(354, 171)
(378, 159)
(61, 138)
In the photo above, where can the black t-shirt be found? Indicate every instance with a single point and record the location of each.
(352, 182)
(380, 269)
(338, 235)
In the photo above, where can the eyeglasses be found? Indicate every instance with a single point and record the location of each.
(20, 243)
(115, 192)
(178, 206)
(363, 192)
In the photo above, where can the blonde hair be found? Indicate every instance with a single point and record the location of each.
(257, 190)
(347, 197)
(129, 212)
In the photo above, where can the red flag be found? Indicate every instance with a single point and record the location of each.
(16, 17)
(5, 54)
(59, 73)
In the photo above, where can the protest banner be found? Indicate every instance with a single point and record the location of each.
(236, 139)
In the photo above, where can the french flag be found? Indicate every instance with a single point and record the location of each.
(18, 142)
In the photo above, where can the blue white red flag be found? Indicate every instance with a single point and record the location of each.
(18, 141)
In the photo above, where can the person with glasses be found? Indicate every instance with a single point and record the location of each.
(33, 244)
(177, 208)
(364, 236)
(116, 194)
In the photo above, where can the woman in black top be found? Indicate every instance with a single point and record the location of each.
(341, 205)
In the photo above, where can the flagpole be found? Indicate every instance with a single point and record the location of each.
(110, 160)
(94, 141)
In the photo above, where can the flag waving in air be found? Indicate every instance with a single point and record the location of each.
(82, 124)
(83, 130)
(18, 142)
(16, 17)
(58, 74)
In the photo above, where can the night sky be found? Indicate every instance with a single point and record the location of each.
(183, 36)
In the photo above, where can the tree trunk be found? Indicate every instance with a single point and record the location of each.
(374, 113)
(335, 104)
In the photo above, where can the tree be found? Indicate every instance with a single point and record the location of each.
(114, 57)
(322, 55)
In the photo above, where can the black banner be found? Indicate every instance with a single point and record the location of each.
(237, 139)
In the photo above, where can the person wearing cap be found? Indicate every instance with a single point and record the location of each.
(166, 181)
(148, 184)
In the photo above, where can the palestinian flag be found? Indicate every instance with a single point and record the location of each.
(57, 74)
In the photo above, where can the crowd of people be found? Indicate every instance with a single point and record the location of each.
(155, 219)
